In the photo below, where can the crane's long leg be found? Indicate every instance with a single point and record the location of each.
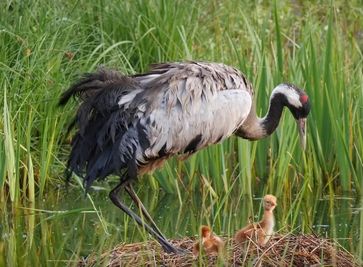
(169, 248)
(130, 190)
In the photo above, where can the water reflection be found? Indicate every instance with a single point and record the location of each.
(66, 226)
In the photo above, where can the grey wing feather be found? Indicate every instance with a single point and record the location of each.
(136, 122)
(191, 105)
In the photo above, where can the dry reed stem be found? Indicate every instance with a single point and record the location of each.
(282, 250)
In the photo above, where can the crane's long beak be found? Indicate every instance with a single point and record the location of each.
(301, 124)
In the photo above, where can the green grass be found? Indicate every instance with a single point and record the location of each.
(46, 45)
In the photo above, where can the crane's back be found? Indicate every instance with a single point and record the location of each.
(136, 122)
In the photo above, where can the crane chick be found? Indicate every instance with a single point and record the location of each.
(261, 231)
(211, 243)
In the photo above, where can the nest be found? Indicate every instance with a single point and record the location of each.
(281, 250)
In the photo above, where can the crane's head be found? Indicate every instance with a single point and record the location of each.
(298, 103)
(205, 231)
(269, 202)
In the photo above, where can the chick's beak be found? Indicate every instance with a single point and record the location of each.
(301, 124)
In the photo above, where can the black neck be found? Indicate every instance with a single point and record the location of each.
(255, 128)
(272, 119)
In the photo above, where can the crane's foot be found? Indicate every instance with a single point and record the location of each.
(169, 248)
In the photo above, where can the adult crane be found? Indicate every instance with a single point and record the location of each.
(129, 125)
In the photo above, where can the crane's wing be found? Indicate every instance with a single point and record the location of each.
(190, 106)
(178, 108)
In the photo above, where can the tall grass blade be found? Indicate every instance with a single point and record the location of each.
(9, 149)
(279, 52)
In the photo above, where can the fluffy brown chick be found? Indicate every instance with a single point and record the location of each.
(211, 243)
(261, 231)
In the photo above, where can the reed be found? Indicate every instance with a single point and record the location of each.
(46, 45)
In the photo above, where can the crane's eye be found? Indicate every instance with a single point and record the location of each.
(270, 203)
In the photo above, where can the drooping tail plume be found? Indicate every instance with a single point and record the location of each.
(101, 123)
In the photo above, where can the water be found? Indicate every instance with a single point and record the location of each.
(63, 226)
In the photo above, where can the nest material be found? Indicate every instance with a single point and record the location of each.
(281, 250)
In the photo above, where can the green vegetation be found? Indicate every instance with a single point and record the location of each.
(45, 45)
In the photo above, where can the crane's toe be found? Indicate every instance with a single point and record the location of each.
(168, 248)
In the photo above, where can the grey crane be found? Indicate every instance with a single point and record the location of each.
(129, 125)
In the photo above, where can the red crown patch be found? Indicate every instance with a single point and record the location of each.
(304, 99)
